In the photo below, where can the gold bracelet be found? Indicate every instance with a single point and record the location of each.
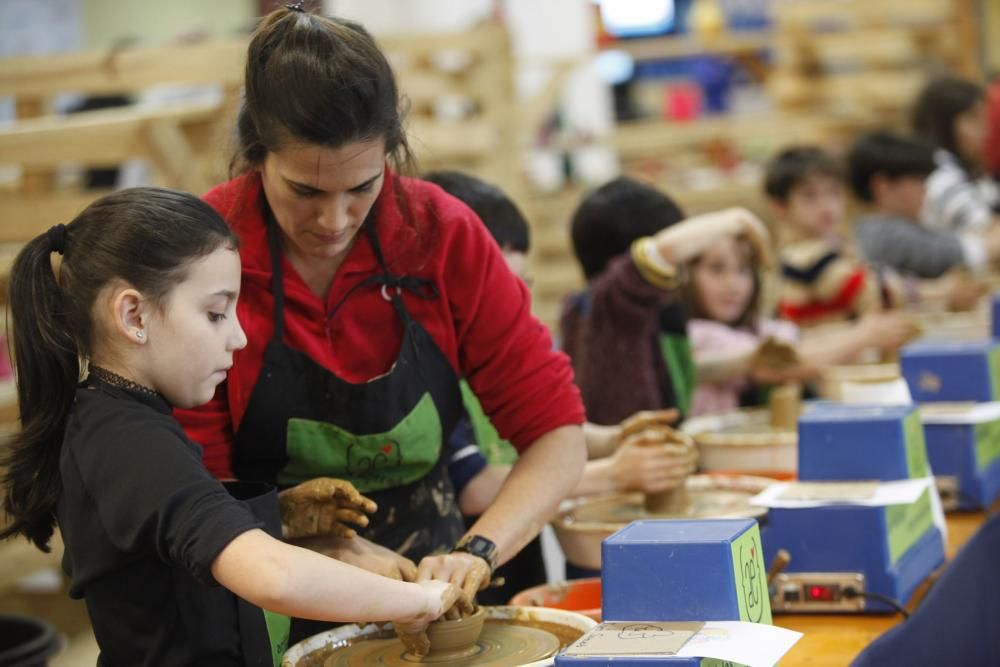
(648, 268)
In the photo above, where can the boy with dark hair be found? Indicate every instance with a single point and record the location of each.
(888, 173)
(822, 279)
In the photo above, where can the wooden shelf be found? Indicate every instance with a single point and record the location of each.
(681, 46)
(643, 139)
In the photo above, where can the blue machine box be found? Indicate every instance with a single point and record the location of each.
(952, 372)
(660, 572)
(963, 443)
(685, 570)
(893, 548)
(850, 442)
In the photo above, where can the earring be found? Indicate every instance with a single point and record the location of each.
(139, 335)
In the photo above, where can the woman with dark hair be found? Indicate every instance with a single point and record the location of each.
(174, 567)
(950, 114)
(366, 295)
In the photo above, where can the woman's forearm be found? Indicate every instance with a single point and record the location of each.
(547, 472)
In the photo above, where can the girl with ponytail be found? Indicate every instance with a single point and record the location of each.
(137, 317)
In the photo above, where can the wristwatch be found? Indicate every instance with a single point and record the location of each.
(477, 545)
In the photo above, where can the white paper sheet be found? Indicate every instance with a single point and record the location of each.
(902, 492)
(751, 644)
(891, 392)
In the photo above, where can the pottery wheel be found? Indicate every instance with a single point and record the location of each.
(500, 645)
(709, 497)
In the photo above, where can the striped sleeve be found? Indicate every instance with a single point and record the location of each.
(909, 248)
(954, 201)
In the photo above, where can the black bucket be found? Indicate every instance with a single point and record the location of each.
(26, 641)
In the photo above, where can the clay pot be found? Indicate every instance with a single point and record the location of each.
(455, 636)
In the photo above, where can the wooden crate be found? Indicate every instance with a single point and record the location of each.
(858, 54)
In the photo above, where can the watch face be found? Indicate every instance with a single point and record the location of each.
(478, 545)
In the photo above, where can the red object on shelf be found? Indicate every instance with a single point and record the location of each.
(682, 102)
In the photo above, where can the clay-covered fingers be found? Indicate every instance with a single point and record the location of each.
(415, 642)
(659, 435)
(646, 419)
(323, 506)
(468, 572)
(348, 497)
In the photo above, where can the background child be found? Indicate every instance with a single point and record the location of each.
(822, 278)
(626, 332)
(888, 172)
(146, 296)
(727, 329)
(950, 114)
(480, 459)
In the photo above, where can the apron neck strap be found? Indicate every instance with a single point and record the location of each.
(277, 273)
(392, 285)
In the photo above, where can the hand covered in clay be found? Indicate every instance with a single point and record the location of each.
(777, 362)
(964, 292)
(362, 553)
(412, 630)
(323, 506)
(644, 419)
(889, 331)
(653, 460)
(468, 572)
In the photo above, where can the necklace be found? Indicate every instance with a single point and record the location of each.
(116, 380)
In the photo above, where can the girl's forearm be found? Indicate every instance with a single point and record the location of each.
(297, 582)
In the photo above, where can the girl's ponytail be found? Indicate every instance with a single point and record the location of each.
(47, 364)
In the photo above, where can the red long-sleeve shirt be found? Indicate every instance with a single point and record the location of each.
(481, 321)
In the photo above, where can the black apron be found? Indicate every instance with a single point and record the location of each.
(385, 435)
(263, 634)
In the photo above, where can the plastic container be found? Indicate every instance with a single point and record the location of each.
(581, 595)
(26, 641)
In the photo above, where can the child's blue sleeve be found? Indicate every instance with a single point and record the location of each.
(465, 459)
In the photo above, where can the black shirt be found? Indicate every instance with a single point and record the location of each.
(142, 521)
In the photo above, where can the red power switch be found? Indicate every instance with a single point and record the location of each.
(823, 593)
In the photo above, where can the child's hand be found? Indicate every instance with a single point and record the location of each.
(888, 331)
(777, 362)
(687, 240)
(440, 596)
(323, 506)
(964, 292)
(654, 460)
(645, 419)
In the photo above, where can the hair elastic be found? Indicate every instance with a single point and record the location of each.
(57, 238)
